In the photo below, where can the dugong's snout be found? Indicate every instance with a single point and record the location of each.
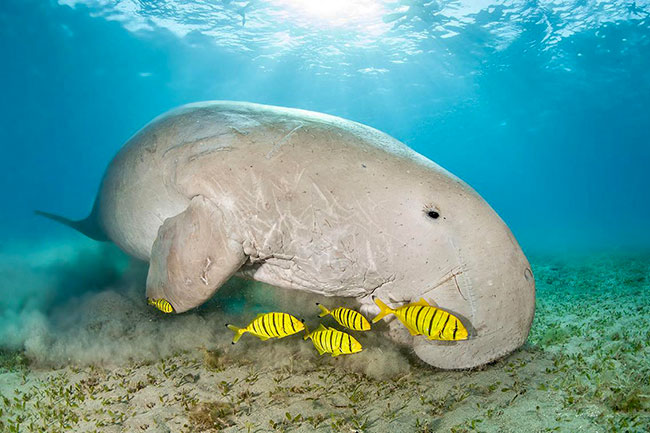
(494, 295)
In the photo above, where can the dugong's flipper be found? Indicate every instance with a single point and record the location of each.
(192, 256)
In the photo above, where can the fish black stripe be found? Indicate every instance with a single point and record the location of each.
(284, 322)
(331, 341)
(274, 332)
(278, 329)
(271, 324)
(342, 313)
(292, 325)
(448, 325)
(406, 314)
(411, 310)
(262, 326)
(349, 342)
(345, 318)
(275, 322)
(266, 331)
(455, 329)
(258, 324)
(417, 316)
(442, 314)
(321, 339)
(436, 326)
(431, 323)
(357, 317)
(443, 326)
(427, 317)
(254, 324)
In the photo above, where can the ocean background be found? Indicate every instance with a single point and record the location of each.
(543, 107)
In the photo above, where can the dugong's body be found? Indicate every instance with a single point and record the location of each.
(313, 202)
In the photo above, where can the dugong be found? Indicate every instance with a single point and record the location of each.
(308, 201)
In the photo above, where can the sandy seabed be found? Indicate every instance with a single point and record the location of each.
(81, 351)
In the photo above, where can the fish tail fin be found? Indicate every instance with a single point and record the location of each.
(87, 226)
(238, 332)
(384, 310)
(324, 311)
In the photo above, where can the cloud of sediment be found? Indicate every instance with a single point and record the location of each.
(85, 304)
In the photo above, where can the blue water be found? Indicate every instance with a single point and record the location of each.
(543, 107)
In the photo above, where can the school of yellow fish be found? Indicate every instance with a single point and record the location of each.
(419, 318)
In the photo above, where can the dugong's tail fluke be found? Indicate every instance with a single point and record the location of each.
(86, 226)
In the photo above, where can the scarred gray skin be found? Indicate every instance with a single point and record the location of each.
(312, 202)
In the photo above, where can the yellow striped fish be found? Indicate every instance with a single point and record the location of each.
(269, 325)
(161, 304)
(420, 318)
(346, 317)
(330, 340)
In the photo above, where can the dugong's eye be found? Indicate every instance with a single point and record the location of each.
(432, 214)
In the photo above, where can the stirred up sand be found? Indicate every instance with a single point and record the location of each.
(81, 351)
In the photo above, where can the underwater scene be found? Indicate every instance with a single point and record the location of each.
(325, 216)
